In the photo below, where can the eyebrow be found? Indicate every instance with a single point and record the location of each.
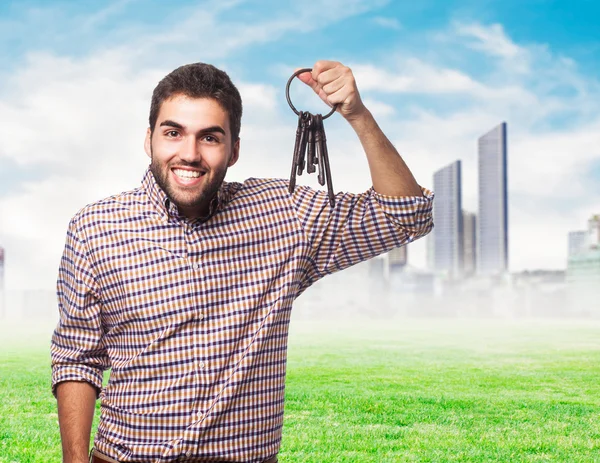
(177, 125)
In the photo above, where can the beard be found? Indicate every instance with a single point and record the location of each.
(190, 202)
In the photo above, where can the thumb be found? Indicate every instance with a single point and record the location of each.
(306, 77)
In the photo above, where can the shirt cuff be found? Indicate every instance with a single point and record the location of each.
(412, 213)
(62, 373)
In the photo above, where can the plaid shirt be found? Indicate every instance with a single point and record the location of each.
(192, 316)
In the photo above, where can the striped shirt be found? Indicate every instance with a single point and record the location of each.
(192, 316)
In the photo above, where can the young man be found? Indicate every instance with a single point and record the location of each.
(184, 286)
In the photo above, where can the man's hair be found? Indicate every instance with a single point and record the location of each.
(200, 80)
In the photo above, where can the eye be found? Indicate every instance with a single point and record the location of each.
(172, 133)
(211, 139)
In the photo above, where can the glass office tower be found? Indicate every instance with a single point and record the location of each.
(447, 235)
(492, 217)
(469, 243)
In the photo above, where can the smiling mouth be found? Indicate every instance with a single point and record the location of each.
(187, 178)
(188, 174)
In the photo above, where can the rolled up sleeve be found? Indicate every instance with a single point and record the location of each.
(412, 214)
(77, 352)
(360, 226)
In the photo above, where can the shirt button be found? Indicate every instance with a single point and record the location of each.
(201, 365)
(188, 453)
(200, 415)
(200, 316)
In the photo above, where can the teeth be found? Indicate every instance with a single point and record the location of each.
(186, 173)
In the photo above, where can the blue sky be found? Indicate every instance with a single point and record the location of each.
(76, 78)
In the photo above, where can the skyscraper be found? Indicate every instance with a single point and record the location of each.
(447, 237)
(492, 217)
(593, 239)
(469, 242)
(577, 242)
(398, 257)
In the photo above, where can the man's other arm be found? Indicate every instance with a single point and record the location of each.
(77, 350)
(76, 402)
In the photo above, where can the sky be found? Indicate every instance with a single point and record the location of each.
(76, 80)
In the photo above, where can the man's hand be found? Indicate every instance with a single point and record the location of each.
(335, 84)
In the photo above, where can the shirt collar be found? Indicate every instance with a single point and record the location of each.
(161, 202)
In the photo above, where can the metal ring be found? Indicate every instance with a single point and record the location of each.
(287, 93)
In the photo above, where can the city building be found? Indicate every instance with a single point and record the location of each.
(577, 242)
(446, 247)
(492, 216)
(540, 293)
(594, 231)
(397, 257)
(583, 282)
(583, 269)
(469, 243)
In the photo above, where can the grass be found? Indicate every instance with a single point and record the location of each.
(400, 391)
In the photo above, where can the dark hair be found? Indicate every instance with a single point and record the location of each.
(200, 80)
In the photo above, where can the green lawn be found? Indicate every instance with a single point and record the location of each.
(395, 391)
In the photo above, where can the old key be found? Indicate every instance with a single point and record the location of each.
(310, 148)
(299, 133)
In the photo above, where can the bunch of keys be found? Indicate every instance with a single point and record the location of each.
(310, 149)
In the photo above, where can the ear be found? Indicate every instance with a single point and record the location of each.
(235, 153)
(148, 143)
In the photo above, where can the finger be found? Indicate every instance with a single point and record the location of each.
(319, 91)
(342, 96)
(334, 86)
(323, 66)
(330, 75)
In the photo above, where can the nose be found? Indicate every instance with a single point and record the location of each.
(190, 150)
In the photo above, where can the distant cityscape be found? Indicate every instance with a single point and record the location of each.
(467, 264)
(468, 260)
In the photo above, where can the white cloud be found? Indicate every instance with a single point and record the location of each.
(378, 108)
(412, 75)
(212, 33)
(388, 23)
(490, 39)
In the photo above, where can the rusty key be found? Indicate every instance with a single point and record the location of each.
(306, 126)
(320, 139)
(299, 132)
(311, 154)
(327, 168)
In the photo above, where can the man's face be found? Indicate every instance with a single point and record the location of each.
(191, 149)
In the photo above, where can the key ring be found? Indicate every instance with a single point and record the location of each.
(287, 93)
